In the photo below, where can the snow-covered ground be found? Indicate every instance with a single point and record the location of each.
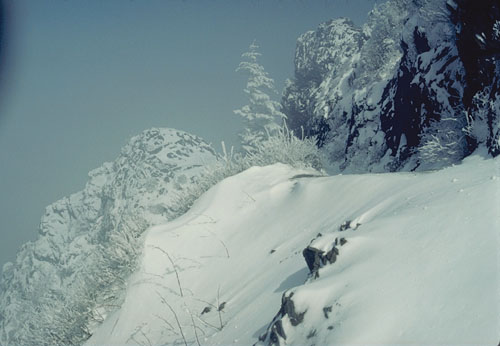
(420, 265)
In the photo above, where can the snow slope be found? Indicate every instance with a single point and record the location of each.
(420, 264)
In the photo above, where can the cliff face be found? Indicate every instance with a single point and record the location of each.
(478, 43)
(415, 87)
(87, 245)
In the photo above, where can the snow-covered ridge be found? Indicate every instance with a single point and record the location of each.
(87, 241)
(416, 262)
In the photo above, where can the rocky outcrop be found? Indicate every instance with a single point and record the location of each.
(415, 87)
(66, 281)
(288, 315)
(322, 251)
(478, 43)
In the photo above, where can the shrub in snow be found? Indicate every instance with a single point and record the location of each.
(477, 126)
(282, 147)
(68, 319)
(285, 147)
(449, 140)
(481, 121)
(264, 141)
(496, 30)
(443, 143)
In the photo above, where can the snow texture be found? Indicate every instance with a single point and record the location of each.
(418, 265)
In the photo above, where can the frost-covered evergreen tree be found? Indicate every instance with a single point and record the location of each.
(262, 116)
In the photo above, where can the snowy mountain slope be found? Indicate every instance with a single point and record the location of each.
(87, 242)
(416, 87)
(416, 262)
(277, 255)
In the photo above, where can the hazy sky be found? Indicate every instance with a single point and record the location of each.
(82, 76)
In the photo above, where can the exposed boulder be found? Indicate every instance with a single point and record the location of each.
(320, 252)
(287, 315)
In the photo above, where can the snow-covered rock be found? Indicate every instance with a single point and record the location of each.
(397, 94)
(88, 241)
(322, 250)
(418, 263)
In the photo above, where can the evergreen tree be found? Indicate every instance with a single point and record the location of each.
(262, 116)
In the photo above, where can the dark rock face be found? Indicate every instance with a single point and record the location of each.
(315, 258)
(424, 99)
(398, 93)
(288, 309)
(478, 43)
(275, 334)
(348, 225)
(318, 258)
(327, 310)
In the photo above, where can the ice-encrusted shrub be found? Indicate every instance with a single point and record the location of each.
(496, 30)
(477, 119)
(282, 147)
(69, 318)
(443, 144)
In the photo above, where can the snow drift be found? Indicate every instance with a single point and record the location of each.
(401, 258)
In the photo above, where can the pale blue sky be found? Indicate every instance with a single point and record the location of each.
(83, 76)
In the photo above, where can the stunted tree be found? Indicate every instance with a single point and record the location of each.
(262, 116)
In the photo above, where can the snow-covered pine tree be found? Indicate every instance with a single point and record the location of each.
(262, 116)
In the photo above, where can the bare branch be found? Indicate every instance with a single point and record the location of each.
(194, 327)
(248, 195)
(204, 301)
(175, 315)
(207, 323)
(173, 266)
(220, 241)
(146, 337)
(219, 309)
(171, 327)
